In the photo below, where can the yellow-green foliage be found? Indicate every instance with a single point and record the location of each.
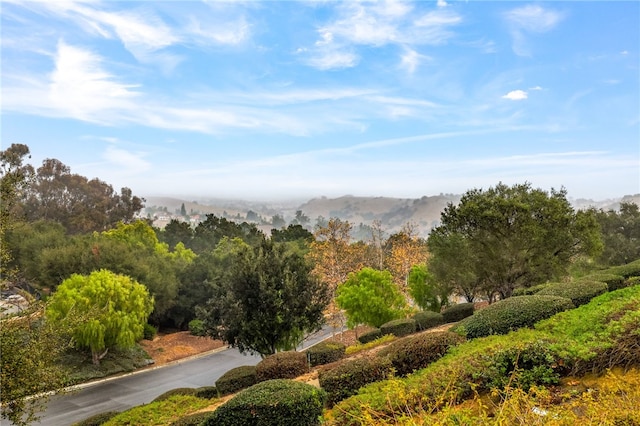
(612, 399)
(160, 412)
(595, 336)
(359, 347)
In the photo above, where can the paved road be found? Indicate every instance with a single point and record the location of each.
(142, 387)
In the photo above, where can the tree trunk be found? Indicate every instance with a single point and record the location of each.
(96, 356)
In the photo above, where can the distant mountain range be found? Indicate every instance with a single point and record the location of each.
(392, 213)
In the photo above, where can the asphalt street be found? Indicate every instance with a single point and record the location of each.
(142, 387)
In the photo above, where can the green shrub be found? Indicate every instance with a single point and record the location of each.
(237, 379)
(427, 319)
(282, 365)
(177, 391)
(97, 419)
(593, 337)
(149, 332)
(528, 291)
(370, 336)
(631, 269)
(325, 352)
(510, 314)
(195, 419)
(416, 352)
(630, 282)
(399, 327)
(458, 312)
(272, 403)
(206, 392)
(580, 292)
(613, 281)
(599, 335)
(197, 328)
(345, 379)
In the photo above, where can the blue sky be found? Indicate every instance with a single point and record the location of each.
(279, 100)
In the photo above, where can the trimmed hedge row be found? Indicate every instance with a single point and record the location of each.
(282, 365)
(416, 352)
(427, 319)
(345, 379)
(458, 312)
(631, 269)
(580, 292)
(528, 291)
(237, 379)
(325, 353)
(399, 327)
(272, 403)
(510, 314)
(613, 281)
(370, 336)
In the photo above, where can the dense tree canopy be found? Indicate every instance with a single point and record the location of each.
(266, 302)
(370, 297)
(115, 309)
(513, 236)
(426, 291)
(79, 204)
(620, 234)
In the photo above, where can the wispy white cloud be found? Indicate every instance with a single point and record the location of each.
(332, 59)
(80, 88)
(376, 25)
(126, 161)
(410, 60)
(530, 19)
(516, 95)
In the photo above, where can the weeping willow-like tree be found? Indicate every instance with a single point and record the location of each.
(115, 309)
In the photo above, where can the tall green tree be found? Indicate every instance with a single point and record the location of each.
(266, 300)
(81, 205)
(426, 291)
(15, 178)
(31, 349)
(116, 309)
(620, 234)
(370, 297)
(516, 235)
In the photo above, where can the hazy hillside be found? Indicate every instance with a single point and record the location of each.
(393, 213)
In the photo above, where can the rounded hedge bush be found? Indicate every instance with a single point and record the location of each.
(427, 319)
(510, 314)
(399, 327)
(458, 312)
(613, 281)
(272, 403)
(416, 352)
(580, 292)
(197, 328)
(631, 269)
(206, 392)
(237, 379)
(177, 391)
(370, 336)
(528, 291)
(97, 419)
(282, 365)
(344, 379)
(325, 353)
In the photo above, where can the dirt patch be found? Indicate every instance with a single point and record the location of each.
(171, 347)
